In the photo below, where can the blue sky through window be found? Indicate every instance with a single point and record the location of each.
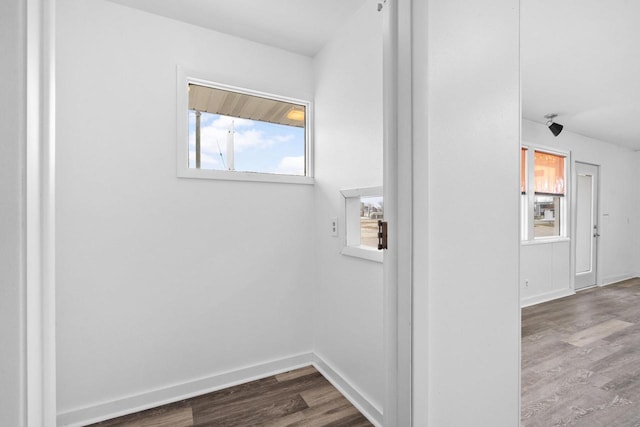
(259, 146)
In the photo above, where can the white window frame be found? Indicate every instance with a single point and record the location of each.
(186, 77)
(352, 246)
(526, 216)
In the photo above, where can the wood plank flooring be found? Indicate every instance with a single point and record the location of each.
(302, 397)
(581, 359)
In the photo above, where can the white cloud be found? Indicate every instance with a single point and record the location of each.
(251, 139)
(245, 139)
(207, 160)
(291, 166)
(284, 138)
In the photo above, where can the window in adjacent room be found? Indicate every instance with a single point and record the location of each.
(523, 195)
(543, 189)
(232, 133)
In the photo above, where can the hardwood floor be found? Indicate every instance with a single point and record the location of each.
(297, 398)
(581, 359)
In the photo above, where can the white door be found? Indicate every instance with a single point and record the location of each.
(586, 224)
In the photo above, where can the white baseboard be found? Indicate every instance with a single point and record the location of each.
(548, 296)
(355, 396)
(606, 281)
(537, 299)
(177, 392)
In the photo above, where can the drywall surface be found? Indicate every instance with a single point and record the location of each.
(618, 213)
(545, 271)
(468, 116)
(12, 146)
(164, 280)
(348, 295)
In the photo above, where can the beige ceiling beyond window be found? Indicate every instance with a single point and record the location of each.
(234, 104)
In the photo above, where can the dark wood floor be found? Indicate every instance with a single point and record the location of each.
(581, 359)
(297, 398)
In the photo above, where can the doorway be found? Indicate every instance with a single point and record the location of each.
(389, 295)
(587, 231)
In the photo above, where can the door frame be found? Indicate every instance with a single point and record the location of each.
(398, 196)
(40, 214)
(574, 223)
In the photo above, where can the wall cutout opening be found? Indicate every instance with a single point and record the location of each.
(364, 207)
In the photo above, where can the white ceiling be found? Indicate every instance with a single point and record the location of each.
(300, 26)
(581, 60)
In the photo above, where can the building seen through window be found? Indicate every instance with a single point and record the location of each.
(371, 210)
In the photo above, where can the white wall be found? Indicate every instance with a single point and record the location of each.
(636, 232)
(164, 280)
(348, 127)
(466, 100)
(618, 215)
(545, 272)
(12, 146)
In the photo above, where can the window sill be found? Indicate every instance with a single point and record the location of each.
(244, 176)
(545, 241)
(364, 252)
